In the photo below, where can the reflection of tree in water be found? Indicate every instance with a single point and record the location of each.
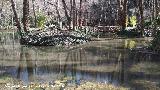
(80, 56)
(25, 58)
(76, 58)
(121, 70)
(73, 64)
(61, 62)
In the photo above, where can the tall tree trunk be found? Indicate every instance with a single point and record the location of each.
(25, 14)
(122, 13)
(66, 13)
(80, 14)
(16, 18)
(74, 14)
(35, 18)
(156, 7)
(141, 16)
(71, 13)
(153, 10)
(119, 12)
(57, 10)
(154, 15)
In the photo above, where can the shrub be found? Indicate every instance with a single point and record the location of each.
(156, 42)
(157, 20)
(41, 20)
(147, 23)
(133, 21)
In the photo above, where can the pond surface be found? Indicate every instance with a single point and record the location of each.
(110, 61)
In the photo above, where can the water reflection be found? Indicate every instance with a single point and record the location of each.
(106, 62)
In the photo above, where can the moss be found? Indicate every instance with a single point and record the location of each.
(41, 20)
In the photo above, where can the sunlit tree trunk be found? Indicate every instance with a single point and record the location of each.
(16, 17)
(122, 13)
(80, 14)
(74, 14)
(25, 14)
(35, 18)
(71, 13)
(141, 9)
(57, 10)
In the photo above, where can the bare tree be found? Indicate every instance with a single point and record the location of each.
(16, 17)
(25, 14)
(74, 14)
(66, 14)
(57, 10)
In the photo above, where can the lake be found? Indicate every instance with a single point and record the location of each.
(112, 61)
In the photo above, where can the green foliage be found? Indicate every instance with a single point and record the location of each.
(133, 21)
(157, 20)
(156, 42)
(41, 20)
(147, 23)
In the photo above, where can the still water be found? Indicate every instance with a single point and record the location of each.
(110, 61)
